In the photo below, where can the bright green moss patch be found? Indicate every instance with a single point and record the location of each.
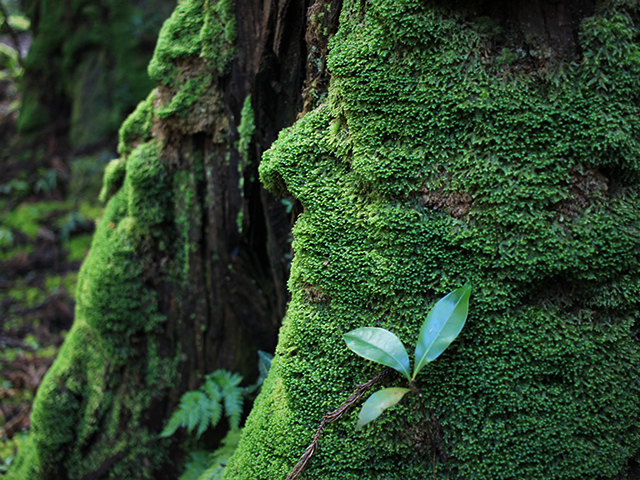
(197, 28)
(105, 373)
(195, 44)
(113, 177)
(28, 217)
(432, 167)
(190, 91)
(137, 127)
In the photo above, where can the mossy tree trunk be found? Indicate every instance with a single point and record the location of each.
(495, 143)
(188, 267)
(489, 142)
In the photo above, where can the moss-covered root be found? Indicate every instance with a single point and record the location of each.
(434, 165)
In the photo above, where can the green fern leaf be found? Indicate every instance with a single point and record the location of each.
(233, 403)
(212, 389)
(214, 411)
(225, 378)
(176, 421)
(196, 403)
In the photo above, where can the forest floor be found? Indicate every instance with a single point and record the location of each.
(48, 209)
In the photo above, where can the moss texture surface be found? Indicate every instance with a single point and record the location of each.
(94, 387)
(432, 166)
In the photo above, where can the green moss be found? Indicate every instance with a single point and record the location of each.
(78, 247)
(90, 209)
(137, 127)
(69, 282)
(27, 296)
(116, 303)
(507, 57)
(105, 376)
(201, 32)
(113, 177)
(15, 252)
(197, 28)
(246, 130)
(190, 91)
(426, 170)
(28, 217)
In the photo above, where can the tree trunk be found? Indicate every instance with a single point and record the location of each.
(485, 142)
(187, 271)
(494, 143)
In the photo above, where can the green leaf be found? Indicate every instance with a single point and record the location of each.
(264, 364)
(195, 404)
(233, 403)
(174, 423)
(379, 345)
(377, 403)
(441, 327)
(212, 389)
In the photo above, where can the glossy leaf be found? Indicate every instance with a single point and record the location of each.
(379, 345)
(441, 327)
(379, 402)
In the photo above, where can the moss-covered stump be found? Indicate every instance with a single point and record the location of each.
(86, 68)
(186, 271)
(451, 152)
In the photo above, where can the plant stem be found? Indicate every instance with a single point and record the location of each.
(331, 417)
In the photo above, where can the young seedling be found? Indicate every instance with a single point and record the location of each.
(441, 327)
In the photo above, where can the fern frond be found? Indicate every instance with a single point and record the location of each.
(202, 408)
(175, 421)
(225, 378)
(212, 389)
(233, 403)
(196, 403)
(188, 414)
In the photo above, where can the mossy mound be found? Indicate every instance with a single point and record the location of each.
(91, 390)
(433, 166)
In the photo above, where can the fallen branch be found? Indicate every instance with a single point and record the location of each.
(331, 417)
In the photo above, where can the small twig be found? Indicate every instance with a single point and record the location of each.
(331, 417)
(12, 33)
